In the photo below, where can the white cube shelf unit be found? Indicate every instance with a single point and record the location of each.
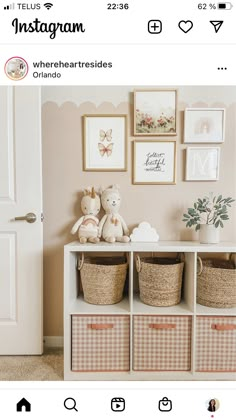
(132, 308)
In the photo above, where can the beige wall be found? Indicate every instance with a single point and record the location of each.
(162, 206)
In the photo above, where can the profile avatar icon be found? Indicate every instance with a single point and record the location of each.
(213, 405)
(16, 68)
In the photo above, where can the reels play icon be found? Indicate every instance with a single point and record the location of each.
(117, 404)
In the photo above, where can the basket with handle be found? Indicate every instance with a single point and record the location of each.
(102, 278)
(216, 283)
(160, 280)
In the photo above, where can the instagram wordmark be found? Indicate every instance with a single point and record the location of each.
(52, 28)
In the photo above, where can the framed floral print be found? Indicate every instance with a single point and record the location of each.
(155, 112)
(154, 162)
(105, 143)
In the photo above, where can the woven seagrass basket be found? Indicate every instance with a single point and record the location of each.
(160, 280)
(216, 283)
(103, 279)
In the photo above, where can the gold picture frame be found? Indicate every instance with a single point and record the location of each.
(155, 112)
(105, 142)
(154, 162)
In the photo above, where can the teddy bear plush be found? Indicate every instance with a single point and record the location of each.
(87, 225)
(112, 226)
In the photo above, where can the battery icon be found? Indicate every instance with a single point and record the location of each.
(226, 6)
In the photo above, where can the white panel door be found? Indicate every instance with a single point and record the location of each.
(21, 243)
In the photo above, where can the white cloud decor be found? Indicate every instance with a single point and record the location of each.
(144, 233)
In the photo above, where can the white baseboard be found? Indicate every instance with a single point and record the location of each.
(53, 341)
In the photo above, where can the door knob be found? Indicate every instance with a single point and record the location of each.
(29, 217)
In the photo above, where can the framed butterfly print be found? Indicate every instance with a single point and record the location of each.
(105, 143)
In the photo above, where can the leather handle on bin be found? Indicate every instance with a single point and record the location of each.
(162, 326)
(223, 327)
(100, 326)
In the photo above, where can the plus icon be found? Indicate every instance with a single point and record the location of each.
(155, 26)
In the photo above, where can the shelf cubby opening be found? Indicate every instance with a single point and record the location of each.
(105, 259)
(216, 284)
(186, 304)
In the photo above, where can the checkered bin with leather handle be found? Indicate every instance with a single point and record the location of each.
(162, 343)
(216, 344)
(100, 343)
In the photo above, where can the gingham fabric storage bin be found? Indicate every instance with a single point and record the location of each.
(162, 343)
(100, 343)
(216, 344)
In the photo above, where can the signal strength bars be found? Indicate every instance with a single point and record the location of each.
(9, 7)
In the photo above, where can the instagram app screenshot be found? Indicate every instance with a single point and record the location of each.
(118, 209)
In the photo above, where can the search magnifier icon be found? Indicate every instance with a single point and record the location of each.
(70, 404)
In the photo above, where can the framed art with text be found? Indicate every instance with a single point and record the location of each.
(154, 162)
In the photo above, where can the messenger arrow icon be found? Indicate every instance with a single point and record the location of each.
(217, 24)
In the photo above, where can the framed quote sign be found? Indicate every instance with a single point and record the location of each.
(154, 162)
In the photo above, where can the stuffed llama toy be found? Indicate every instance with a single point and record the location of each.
(112, 226)
(87, 225)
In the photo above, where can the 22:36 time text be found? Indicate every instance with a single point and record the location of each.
(117, 6)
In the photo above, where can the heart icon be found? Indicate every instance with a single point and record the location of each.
(185, 25)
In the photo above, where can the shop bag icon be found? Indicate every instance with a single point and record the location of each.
(165, 404)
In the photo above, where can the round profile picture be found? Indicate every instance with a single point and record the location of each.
(16, 68)
(212, 405)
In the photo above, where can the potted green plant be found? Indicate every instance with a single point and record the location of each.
(207, 215)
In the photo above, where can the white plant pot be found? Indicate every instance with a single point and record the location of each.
(209, 234)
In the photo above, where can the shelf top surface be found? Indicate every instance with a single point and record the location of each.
(79, 306)
(161, 246)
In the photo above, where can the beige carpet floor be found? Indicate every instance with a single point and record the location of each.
(48, 367)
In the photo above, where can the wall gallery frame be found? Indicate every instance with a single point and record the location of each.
(155, 112)
(105, 143)
(202, 163)
(204, 125)
(154, 162)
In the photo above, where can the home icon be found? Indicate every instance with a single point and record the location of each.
(23, 405)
